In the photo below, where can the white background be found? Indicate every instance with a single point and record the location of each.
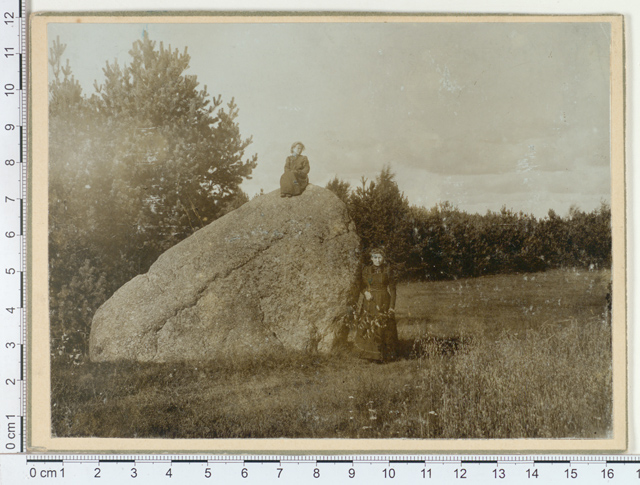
(629, 8)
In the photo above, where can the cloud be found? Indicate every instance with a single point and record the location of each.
(477, 113)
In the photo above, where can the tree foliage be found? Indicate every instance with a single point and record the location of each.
(381, 214)
(444, 242)
(180, 153)
(134, 168)
(339, 187)
(449, 243)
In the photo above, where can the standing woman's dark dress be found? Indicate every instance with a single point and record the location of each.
(377, 333)
(295, 178)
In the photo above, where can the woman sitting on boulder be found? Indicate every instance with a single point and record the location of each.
(376, 331)
(295, 178)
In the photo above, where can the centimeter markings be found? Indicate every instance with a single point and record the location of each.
(23, 218)
(313, 469)
(13, 224)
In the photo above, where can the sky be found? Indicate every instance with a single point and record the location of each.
(481, 115)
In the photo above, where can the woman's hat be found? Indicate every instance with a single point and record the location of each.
(379, 251)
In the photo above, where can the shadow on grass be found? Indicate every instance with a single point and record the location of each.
(432, 346)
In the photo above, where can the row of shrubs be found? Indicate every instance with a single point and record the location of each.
(444, 242)
(447, 243)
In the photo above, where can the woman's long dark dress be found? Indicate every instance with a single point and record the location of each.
(377, 333)
(295, 177)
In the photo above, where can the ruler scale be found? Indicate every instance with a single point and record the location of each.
(80, 469)
(13, 230)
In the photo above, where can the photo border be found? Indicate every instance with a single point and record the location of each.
(39, 436)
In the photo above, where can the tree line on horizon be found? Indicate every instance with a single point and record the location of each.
(444, 242)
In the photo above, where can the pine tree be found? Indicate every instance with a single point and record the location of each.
(340, 187)
(133, 169)
(382, 217)
(179, 151)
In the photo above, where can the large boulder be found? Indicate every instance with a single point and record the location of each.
(277, 273)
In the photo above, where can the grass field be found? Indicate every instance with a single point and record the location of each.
(509, 356)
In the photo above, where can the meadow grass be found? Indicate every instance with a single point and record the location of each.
(509, 356)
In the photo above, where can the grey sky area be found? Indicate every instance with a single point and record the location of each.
(478, 114)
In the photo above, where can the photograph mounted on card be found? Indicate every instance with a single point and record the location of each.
(327, 233)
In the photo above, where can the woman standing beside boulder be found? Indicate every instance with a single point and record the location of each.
(376, 332)
(295, 178)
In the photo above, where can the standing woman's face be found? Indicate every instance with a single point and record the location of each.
(377, 259)
(297, 150)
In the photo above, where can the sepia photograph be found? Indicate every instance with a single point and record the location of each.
(327, 232)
